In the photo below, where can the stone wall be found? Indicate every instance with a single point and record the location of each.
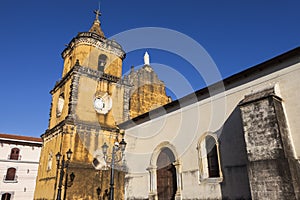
(89, 179)
(268, 168)
(147, 91)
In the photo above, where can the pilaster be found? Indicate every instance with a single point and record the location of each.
(178, 167)
(153, 183)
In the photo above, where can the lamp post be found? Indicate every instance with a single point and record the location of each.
(64, 165)
(112, 160)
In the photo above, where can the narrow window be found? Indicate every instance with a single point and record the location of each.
(102, 59)
(10, 174)
(212, 157)
(14, 154)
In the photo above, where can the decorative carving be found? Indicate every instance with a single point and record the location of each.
(109, 77)
(92, 39)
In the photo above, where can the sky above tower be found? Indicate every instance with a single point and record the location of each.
(232, 35)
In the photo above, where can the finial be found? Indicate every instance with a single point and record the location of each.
(146, 59)
(96, 27)
(97, 12)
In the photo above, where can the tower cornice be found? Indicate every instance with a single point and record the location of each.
(94, 74)
(93, 39)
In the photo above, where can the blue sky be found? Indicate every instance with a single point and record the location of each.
(236, 34)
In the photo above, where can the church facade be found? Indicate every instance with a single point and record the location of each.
(236, 139)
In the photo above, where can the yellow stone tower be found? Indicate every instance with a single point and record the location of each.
(87, 103)
(147, 91)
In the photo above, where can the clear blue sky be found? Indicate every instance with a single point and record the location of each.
(236, 34)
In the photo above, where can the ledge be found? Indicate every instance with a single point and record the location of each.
(211, 180)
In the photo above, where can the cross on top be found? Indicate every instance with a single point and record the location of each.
(97, 12)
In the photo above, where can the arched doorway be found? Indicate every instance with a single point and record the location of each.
(6, 196)
(166, 175)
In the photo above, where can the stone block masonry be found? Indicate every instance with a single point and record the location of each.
(264, 124)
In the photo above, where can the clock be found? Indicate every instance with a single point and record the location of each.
(99, 103)
(102, 103)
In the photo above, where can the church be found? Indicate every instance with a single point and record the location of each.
(235, 139)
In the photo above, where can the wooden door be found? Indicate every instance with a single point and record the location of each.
(166, 176)
(6, 196)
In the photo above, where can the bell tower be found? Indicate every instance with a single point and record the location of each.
(87, 103)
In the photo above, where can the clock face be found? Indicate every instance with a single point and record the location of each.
(102, 103)
(99, 103)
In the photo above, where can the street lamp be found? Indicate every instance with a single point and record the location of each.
(115, 157)
(64, 165)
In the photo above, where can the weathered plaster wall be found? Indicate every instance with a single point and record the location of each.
(183, 128)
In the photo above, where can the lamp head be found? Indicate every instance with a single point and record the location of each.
(69, 154)
(104, 148)
(123, 145)
(58, 156)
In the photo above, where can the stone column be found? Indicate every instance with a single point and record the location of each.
(177, 165)
(268, 167)
(153, 183)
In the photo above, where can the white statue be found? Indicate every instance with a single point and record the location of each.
(146, 59)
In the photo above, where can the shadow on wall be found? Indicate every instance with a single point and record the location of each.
(234, 160)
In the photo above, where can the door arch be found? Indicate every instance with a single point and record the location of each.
(153, 168)
(166, 175)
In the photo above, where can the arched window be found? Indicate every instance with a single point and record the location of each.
(209, 158)
(212, 157)
(102, 59)
(14, 154)
(6, 196)
(10, 174)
